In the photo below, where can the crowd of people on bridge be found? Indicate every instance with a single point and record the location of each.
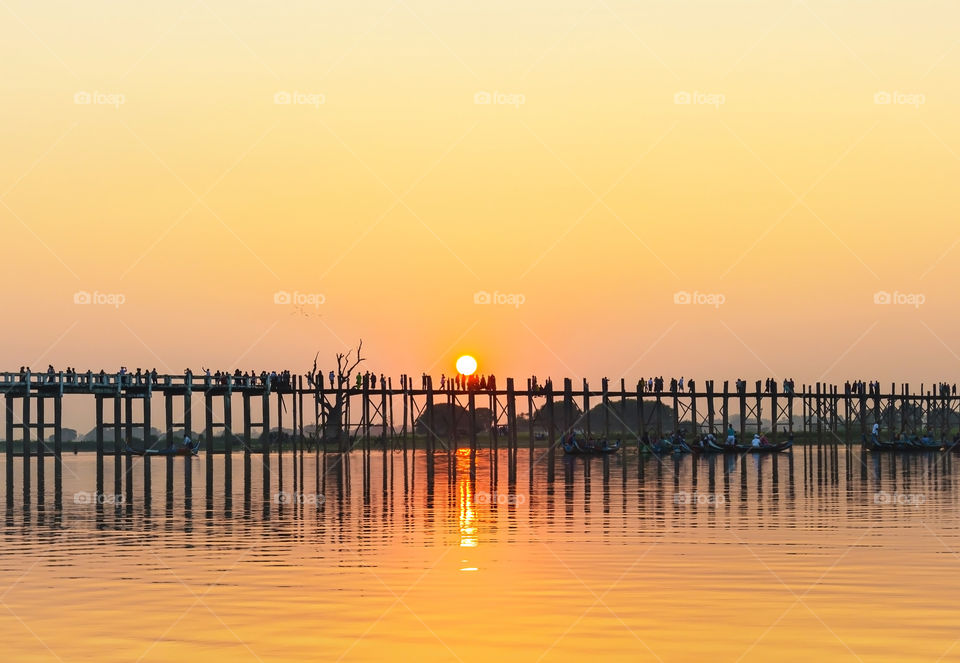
(248, 378)
(872, 388)
(861, 388)
(370, 380)
(144, 376)
(678, 385)
(468, 383)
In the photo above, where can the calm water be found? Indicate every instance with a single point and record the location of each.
(822, 557)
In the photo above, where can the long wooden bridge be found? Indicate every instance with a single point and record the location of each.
(415, 413)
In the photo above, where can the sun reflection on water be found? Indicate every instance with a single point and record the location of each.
(468, 512)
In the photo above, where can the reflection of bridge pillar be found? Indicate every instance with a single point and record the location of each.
(208, 435)
(9, 415)
(58, 450)
(25, 423)
(41, 448)
(168, 435)
(228, 442)
(98, 407)
(246, 445)
(117, 437)
(188, 417)
(265, 443)
(147, 479)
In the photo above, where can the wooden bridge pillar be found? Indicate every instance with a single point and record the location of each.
(743, 412)
(711, 413)
(551, 432)
(384, 417)
(790, 410)
(658, 413)
(531, 385)
(431, 417)
(676, 413)
(512, 417)
(759, 408)
(623, 408)
(693, 414)
(586, 407)
(494, 432)
(641, 418)
(605, 399)
(774, 412)
(472, 414)
(725, 405)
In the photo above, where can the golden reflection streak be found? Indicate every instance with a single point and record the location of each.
(468, 512)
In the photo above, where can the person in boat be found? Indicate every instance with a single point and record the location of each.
(731, 436)
(757, 442)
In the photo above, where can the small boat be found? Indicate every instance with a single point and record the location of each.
(770, 448)
(913, 444)
(716, 447)
(178, 451)
(592, 446)
(664, 447)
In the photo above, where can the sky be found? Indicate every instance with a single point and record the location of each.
(575, 189)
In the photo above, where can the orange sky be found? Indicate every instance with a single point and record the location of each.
(814, 166)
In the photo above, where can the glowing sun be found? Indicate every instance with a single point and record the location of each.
(466, 365)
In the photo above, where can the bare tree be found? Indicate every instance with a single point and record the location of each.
(335, 408)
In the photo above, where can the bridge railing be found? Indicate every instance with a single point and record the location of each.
(121, 380)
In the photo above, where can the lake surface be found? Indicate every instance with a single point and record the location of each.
(809, 556)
